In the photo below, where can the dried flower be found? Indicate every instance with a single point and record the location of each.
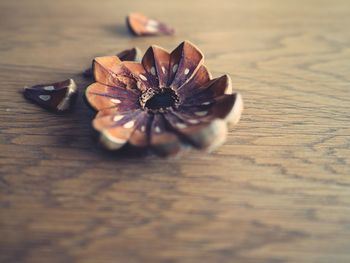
(133, 54)
(165, 102)
(141, 25)
(56, 97)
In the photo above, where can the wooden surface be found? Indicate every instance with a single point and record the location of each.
(277, 191)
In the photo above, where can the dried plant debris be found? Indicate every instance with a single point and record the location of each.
(132, 54)
(167, 102)
(141, 25)
(57, 97)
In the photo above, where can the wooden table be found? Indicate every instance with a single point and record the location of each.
(277, 191)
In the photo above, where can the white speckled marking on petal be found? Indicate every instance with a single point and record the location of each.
(163, 69)
(175, 68)
(152, 26)
(201, 113)
(143, 77)
(44, 97)
(187, 70)
(206, 103)
(118, 117)
(49, 88)
(193, 121)
(153, 71)
(181, 125)
(157, 129)
(143, 128)
(152, 22)
(129, 124)
(116, 101)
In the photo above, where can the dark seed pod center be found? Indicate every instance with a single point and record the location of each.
(159, 101)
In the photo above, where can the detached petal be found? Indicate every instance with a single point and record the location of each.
(57, 97)
(185, 60)
(141, 25)
(102, 96)
(133, 54)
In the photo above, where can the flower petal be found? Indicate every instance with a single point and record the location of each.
(185, 60)
(156, 63)
(227, 107)
(116, 129)
(208, 92)
(136, 70)
(163, 140)
(141, 135)
(105, 69)
(204, 135)
(192, 86)
(102, 96)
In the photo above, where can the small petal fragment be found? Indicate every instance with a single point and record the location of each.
(141, 25)
(133, 54)
(58, 97)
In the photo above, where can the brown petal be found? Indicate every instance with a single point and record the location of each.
(105, 69)
(209, 91)
(133, 54)
(109, 118)
(136, 70)
(116, 129)
(57, 96)
(162, 59)
(185, 60)
(156, 63)
(235, 114)
(220, 107)
(163, 140)
(191, 87)
(141, 25)
(141, 135)
(102, 96)
(148, 62)
(204, 135)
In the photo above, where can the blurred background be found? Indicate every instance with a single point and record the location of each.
(276, 191)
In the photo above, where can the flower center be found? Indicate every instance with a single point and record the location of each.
(159, 100)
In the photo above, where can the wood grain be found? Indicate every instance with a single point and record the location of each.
(277, 191)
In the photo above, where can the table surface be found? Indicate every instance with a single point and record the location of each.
(277, 191)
